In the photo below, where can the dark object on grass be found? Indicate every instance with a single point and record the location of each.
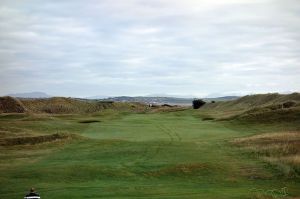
(207, 118)
(32, 195)
(88, 121)
(213, 102)
(197, 103)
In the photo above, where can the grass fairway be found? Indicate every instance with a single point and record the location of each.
(153, 155)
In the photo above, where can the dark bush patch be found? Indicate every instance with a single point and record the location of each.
(89, 121)
(208, 118)
(197, 103)
(289, 104)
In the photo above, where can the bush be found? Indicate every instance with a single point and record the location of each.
(289, 104)
(197, 103)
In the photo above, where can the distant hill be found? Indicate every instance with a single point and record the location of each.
(30, 95)
(218, 99)
(170, 95)
(152, 100)
(166, 100)
(97, 97)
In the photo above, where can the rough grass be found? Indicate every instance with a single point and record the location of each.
(271, 106)
(11, 105)
(36, 139)
(61, 105)
(281, 149)
(132, 155)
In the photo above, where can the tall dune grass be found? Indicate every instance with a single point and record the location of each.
(280, 149)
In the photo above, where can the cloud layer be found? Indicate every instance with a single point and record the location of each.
(137, 47)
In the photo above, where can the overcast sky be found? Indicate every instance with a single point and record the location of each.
(139, 47)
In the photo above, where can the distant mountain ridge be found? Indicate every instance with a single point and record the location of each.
(152, 100)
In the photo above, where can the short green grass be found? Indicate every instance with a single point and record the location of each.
(130, 155)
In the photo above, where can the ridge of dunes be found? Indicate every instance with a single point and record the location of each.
(62, 105)
(267, 107)
(251, 101)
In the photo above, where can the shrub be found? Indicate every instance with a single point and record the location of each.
(197, 103)
(289, 104)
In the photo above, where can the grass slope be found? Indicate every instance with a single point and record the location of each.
(131, 155)
(272, 107)
(281, 149)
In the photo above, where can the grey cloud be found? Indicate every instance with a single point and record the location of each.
(158, 46)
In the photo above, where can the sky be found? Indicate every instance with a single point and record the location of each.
(83, 48)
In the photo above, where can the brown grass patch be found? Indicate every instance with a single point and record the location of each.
(282, 136)
(11, 105)
(165, 109)
(281, 149)
(180, 169)
(62, 105)
(254, 173)
(272, 144)
(32, 140)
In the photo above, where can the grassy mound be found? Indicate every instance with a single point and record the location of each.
(272, 113)
(61, 105)
(11, 105)
(262, 107)
(252, 101)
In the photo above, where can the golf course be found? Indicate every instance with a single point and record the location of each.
(161, 153)
(150, 99)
